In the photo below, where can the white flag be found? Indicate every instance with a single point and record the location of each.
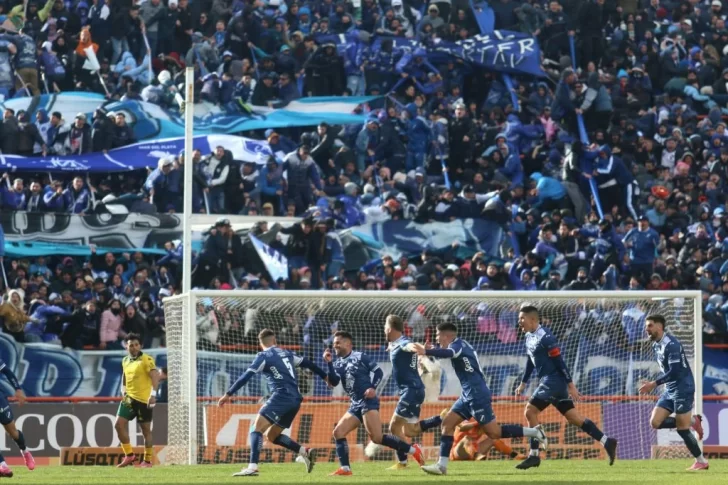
(92, 62)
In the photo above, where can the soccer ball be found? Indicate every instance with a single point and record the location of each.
(372, 449)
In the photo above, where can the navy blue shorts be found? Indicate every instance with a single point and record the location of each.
(552, 393)
(676, 403)
(280, 412)
(6, 414)
(478, 407)
(410, 404)
(360, 408)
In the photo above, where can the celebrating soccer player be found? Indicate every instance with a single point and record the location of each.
(405, 422)
(139, 383)
(354, 370)
(555, 385)
(8, 421)
(474, 400)
(278, 367)
(679, 389)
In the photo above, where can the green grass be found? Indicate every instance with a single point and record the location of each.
(668, 472)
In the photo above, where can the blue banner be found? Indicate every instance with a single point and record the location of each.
(151, 121)
(715, 371)
(46, 370)
(275, 263)
(145, 154)
(368, 242)
(501, 51)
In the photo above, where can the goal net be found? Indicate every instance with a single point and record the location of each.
(212, 338)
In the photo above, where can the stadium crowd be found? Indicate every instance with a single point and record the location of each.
(442, 142)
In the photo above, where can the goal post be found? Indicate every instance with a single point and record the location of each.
(212, 338)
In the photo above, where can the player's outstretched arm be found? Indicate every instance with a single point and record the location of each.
(307, 364)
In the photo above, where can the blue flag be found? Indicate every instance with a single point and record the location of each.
(139, 155)
(501, 51)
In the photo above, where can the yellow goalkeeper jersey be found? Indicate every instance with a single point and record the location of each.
(136, 371)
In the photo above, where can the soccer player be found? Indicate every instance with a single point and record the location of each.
(474, 400)
(354, 370)
(278, 367)
(8, 421)
(555, 385)
(679, 389)
(405, 422)
(139, 384)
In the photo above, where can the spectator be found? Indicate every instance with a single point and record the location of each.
(77, 198)
(14, 316)
(111, 331)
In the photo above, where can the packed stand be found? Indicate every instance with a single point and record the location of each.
(446, 144)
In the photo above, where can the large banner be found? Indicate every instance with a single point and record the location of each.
(151, 121)
(104, 230)
(145, 154)
(372, 241)
(501, 51)
(50, 427)
(715, 371)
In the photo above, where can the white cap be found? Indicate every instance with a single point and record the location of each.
(688, 21)
(369, 189)
(453, 267)
(54, 297)
(396, 3)
(714, 3)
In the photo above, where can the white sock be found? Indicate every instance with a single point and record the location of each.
(531, 432)
(603, 441)
(403, 462)
(302, 451)
(346, 468)
(443, 461)
(411, 450)
(692, 420)
(252, 466)
(533, 453)
(701, 459)
(3, 463)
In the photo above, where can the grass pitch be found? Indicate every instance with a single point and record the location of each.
(667, 472)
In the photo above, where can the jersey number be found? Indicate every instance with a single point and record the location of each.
(288, 365)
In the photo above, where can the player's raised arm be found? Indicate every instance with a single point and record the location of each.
(254, 368)
(332, 377)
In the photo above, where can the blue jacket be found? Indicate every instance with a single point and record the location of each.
(605, 242)
(644, 245)
(519, 135)
(75, 203)
(612, 168)
(418, 131)
(548, 188)
(173, 256)
(269, 186)
(11, 199)
(53, 202)
(156, 180)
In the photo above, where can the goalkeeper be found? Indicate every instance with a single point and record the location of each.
(471, 443)
(139, 384)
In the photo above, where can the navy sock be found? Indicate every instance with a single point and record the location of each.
(534, 444)
(511, 431)
(256, 443)
(391, 441)
(342, 451)
(401, 456)
(668, 423)
(591, 429)
(20, 441)
(288, 443)
(430, 423)
(446, 445)
(690, 442)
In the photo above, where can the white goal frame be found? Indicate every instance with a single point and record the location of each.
(188, 405)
